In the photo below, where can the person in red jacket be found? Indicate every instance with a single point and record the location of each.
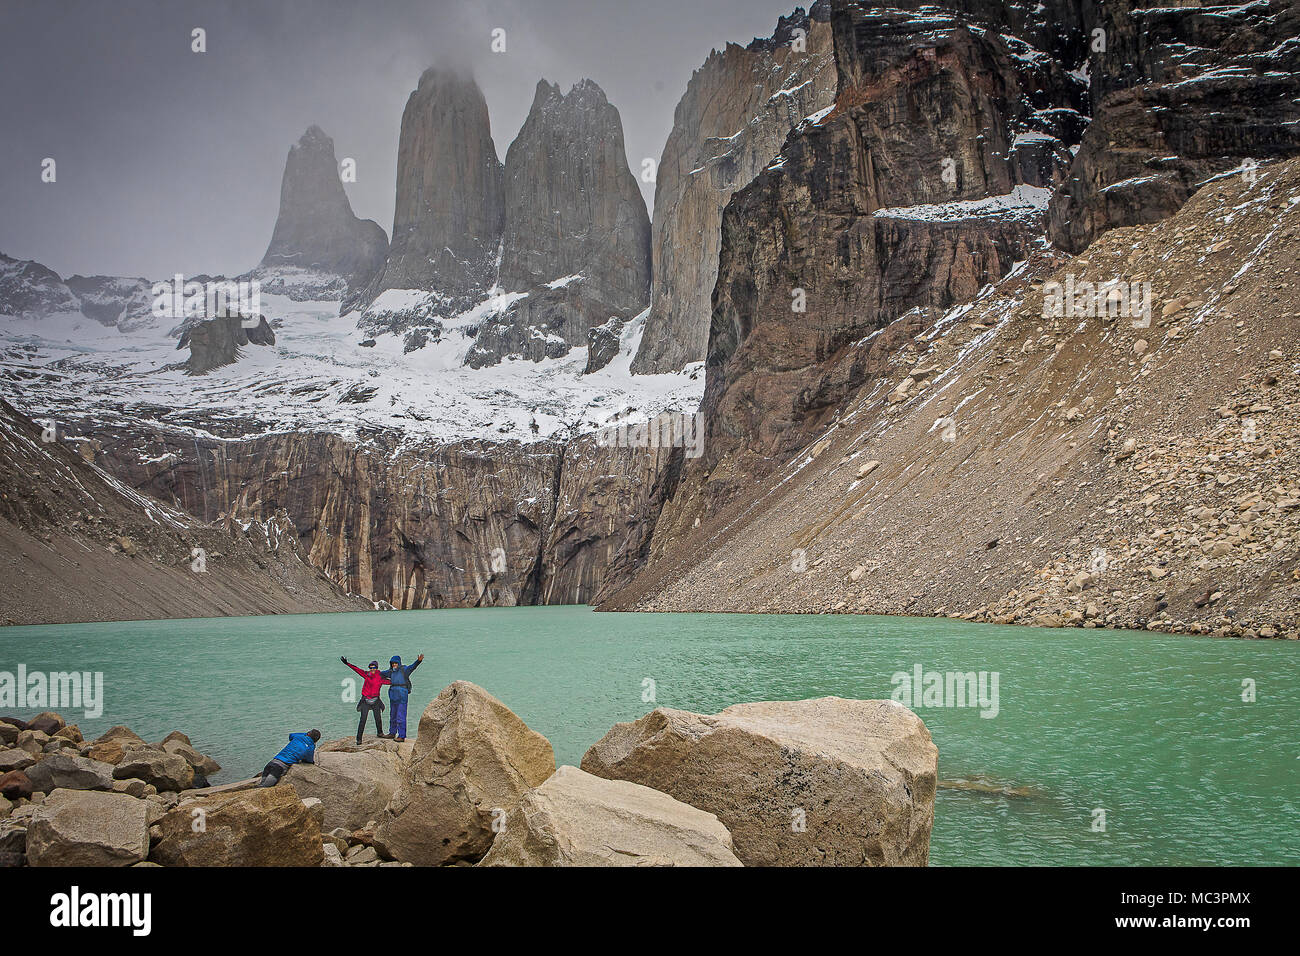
(369, 703)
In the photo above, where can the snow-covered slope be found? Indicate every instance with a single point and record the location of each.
(324, 374)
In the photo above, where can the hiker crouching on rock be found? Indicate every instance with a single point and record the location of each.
(369, 703)
(300, 749)
(399, 678)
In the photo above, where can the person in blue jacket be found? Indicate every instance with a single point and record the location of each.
(300, 749)
(399, 690)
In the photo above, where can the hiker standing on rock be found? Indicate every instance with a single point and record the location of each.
(369, 703)
(300, 749)
(399, 678)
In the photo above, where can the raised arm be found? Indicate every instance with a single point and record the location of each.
(353, 666)
(414, 664)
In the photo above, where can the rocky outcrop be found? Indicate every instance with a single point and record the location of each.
(577, 819)
(472, 763)
(902, 197)
(263, 827)
(729, 124)
(827, 782)
(603, 343)
(218, 341)
(1180, 95)
(319, 249)
(353, 785)
(109, 553)
(450, 201)
(88, 828)
(576, 235)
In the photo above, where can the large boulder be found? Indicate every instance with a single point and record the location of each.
(64, 771)
(48, 722)
(112, 744)
(578, 819)
(164, 770)
(14, 784)
(15, 759)
(13, 845)
(88, 828)
(354, 786)
(69, 732)
(33, 741)
(203, 765)
(473, 760)
(266, 826)
(810, 782)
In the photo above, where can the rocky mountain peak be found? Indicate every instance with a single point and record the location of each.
(567, 179)
(319, 248)
(30, 289)
(799, 19)
(450, 201)
(577, 234)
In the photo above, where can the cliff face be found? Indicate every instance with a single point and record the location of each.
(453, 525)
(319, 248)
(77, 545)
(904, 198)
(730, 123)
(1181, 94)
(1016, 463)
(450, 198)
(577, 235)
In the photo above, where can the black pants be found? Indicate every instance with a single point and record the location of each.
(367, 707)
(272, 773)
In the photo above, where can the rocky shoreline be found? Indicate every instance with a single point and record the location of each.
(825, 782)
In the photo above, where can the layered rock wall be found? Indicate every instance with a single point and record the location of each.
(729, 124)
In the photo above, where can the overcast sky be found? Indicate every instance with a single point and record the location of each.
(170, 161)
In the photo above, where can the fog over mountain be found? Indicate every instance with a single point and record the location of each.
(169, 160)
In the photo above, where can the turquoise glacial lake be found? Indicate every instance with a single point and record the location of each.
(1152, 729)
